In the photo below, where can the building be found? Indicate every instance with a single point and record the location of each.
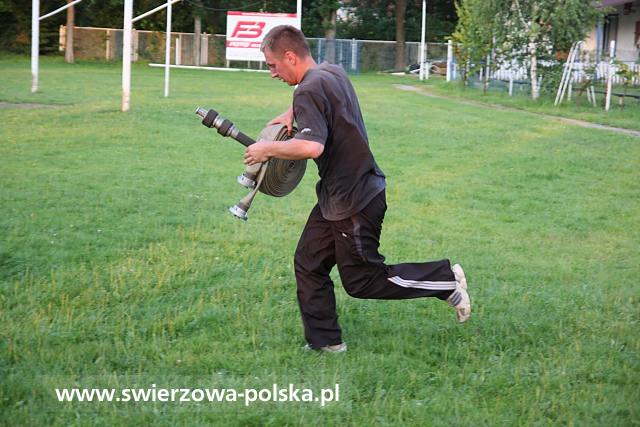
(622, 25)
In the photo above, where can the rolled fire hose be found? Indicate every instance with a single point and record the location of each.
(275, 177)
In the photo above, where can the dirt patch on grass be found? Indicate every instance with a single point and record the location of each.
(26, 106)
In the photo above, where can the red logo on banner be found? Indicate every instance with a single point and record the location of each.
(248, 29)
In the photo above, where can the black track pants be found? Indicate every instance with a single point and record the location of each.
(353, 244)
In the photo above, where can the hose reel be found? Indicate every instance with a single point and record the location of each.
(275, 177)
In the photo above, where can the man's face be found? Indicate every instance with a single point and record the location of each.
(281, 67)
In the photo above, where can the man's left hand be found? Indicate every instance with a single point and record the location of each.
(256, 153)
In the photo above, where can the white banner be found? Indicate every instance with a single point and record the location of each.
(245, 31)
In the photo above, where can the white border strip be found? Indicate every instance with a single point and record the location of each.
(436, 286)
(193, 67)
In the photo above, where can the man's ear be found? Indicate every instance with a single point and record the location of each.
(291, 57)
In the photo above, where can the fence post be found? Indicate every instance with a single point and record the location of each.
(612, 50)
(126, 54)
(422, 38)
(510, 82)
(35, 43)
(179, 49)
(136, 40)
(167, 51)
(354, 55)
(427, 64)
(449, 60)
(108, 45)
(204, 49)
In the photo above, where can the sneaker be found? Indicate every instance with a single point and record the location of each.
(459, 299)
(338, 348)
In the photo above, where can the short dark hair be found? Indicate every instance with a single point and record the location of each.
(286, 37)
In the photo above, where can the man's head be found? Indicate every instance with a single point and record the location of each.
(287, 54)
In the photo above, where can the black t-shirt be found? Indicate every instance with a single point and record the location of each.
(326, 109)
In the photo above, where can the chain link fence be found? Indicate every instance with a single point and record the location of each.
(353, 55)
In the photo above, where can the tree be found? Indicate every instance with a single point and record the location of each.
(401, 9)
(376, 20)
(198, 11)
(328, 10)
(535, 29)
(368, 19)
(68, 50)
(524, 31)
(627, 75)
(474, 34)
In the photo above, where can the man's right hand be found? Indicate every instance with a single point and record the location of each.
(286, 119)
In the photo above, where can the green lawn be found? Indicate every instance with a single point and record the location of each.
(624, 116)
(120, 266)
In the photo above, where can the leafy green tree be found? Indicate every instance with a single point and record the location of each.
(536, 29)
(15, 26)
(474, 34)
(376, 20)
(323, 12)
(369, 19)
(627, 75)
(524, 31)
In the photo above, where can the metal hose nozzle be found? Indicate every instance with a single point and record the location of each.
(212, 119)
(275, 177)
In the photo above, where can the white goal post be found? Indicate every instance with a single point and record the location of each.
(126, 42)
(126, 48)
(35, 37)
(126, 45)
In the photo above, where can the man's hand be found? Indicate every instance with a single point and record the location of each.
(257, 153)
(293, 149)
(286, 119)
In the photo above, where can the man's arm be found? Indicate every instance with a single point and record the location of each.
(293, 149)
(285, 118)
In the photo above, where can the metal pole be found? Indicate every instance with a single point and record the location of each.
(449, 59)
(152, 11)
(35, 43)
(354, 55)
(599, 35)
(612, 50)
(510, 81)
(167, 52)
(299, 13)
(67, 6)
(126, 54)
(422, 37)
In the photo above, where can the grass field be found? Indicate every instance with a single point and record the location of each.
(625, 116)
(120, 267)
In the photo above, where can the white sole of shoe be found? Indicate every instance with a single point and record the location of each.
(463, 308)
(338, 348)
(458, 272)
